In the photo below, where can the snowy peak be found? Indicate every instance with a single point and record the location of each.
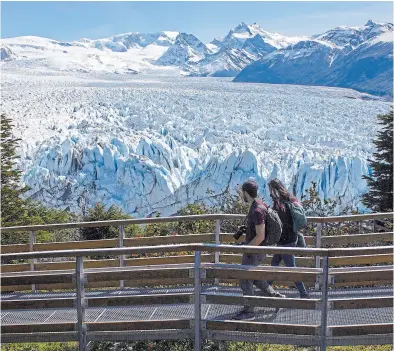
(186, 49)
(355, 36)
(236, 38)
(250, 30)
(190, 40)
(123, 42)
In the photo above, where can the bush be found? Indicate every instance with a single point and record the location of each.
(99, 213)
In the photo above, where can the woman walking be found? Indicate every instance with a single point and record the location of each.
(281, 199)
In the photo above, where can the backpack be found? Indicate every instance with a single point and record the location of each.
(273, 227)
(297, 215)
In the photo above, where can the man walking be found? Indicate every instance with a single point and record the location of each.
(255, 235)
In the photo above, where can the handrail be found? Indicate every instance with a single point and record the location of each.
(165, 248)
(201, 271)
(207, 217)
(201, 247)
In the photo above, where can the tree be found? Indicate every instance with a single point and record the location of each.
(99, 213)
(159, 229)
(314, 206)
(230, 204)
(184, 228)
(380, 194)
(13, 209)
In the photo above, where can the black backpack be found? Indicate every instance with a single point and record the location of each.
(273, 227)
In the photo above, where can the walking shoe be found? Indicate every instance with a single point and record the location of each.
(279, 295)
(244, 316)
(304, 296)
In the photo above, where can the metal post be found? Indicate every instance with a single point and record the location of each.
(324, 306)
(121, 258)
(197, 301)
(80, 302)
(318, 245)
(217, 242)
(32, 240)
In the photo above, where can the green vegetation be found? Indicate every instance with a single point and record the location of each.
(100, 213)
(380, 195)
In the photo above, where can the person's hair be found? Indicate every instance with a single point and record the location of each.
(279, 194)
(251, 188)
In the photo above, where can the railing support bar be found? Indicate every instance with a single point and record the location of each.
(197, 301)
(318, 245)
(32, 240)
(80, 290)
(121, 257)
(217, 242)
(324, 306)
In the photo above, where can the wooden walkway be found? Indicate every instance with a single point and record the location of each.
(201, 293)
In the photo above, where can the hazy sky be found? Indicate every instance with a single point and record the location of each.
(207, 20)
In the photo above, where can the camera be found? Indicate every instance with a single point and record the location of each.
(241, 230)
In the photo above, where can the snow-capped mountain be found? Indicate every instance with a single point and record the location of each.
(301, 63)
(187, 48)
(345, 57)
(241, 46)
(262, 56)
(126, 53)
(355, 36)
(369, 67)
(238, 36)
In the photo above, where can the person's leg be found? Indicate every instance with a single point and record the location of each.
(263, 285)
(247, 285)
(300, 240)
(275, 261)
(290, 262)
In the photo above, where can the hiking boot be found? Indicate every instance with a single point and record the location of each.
(244, 316)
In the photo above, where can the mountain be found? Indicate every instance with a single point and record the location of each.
(125, 53)
(241, 46)
(354, 57)
(186, 48)
(355, 36)
(301, 63)
(351, 57)
(223, 63)
(367, 68)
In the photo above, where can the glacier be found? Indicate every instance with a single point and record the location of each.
(154, 144)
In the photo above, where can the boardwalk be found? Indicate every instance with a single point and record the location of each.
(200, 297)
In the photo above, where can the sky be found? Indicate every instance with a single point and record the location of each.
(69, 21)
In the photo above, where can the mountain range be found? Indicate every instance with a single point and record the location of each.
(360, 58)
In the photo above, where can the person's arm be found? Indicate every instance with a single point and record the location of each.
(260, 235)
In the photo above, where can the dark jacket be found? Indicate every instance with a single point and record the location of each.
(288, 235)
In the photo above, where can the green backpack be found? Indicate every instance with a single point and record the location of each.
(297, 215)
